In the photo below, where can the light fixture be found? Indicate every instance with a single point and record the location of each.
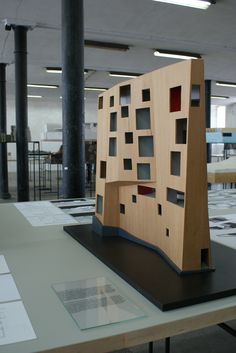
(123, 74)
(58, 70)
(106, 45)
(173, 54)
(33, 96)
(37, 85)
(198, 4)
(225, 84)
(219, 97)
(95, 89)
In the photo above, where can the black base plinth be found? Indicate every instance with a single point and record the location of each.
(149, 274)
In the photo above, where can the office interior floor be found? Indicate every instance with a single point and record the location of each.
(207, 340)
(45, 189)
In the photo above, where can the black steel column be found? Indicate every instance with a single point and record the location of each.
(4, 193)
(73, 98)
(21, 113)
(208, 114)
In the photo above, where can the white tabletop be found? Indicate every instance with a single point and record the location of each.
(41, 256)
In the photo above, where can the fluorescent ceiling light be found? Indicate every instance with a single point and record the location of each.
(176, 54)
(94, 89)
(225, 84)
(33, 96)
(123, 74)
(219, 97)
(58, 70)
(198, 4)
(41, 86)
(106, 45)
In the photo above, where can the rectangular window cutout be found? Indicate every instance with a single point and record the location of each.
(128, 137)
(112, 146)
(204, 258)
(112, 101)
(125, 112)
(143, 120)
(100, 102)
(227, 134)
(175, 196)
(159, 209)
(144, 171)
(134, 198)
(147, 191)
(145, 145)
(99, 204)
(195, 96)
(175, 163)
(181, 131)
(125, 95)
(113, 122)
(146, 95)
(122, 208)
(175, 99)
(127, 164)
(167, 232)
(103, 169)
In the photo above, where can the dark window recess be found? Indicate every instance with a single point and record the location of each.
(128, 137)
(112, 146)
(175, 99)
(134, 198)
(125, 95)
(144, 171)
(112, 101)
(122, 208)
(195, 96)
(143, 120)
(103, 169)
(227, 134)
(99, 204)
(167, 232)
(125, 112)
(181, 131)
(113, 121)
(147, 191)
(145, 145)
(159, 209)
(175, 163)
(127, 164)
(100, 102)
(175, 196)
(146, 95)
(204, 258)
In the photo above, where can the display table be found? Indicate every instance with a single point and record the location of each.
(222, 172)
(39, 257)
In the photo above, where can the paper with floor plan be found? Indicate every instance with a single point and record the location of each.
(95, 302)
(44, 213)
(3, 265)
(8, 289)
(15, 325)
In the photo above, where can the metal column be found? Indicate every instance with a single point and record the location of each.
(208, 114)
(73, 98)
(21, 112)
(4, 193)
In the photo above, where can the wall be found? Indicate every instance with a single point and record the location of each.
(231, 116)
(41, 112)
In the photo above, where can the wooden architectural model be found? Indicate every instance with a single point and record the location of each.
(151, 181)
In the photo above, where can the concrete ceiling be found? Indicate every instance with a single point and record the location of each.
(141, 24)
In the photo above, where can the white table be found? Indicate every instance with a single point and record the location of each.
(41, 256)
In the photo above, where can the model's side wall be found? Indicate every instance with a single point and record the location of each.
(151, 169)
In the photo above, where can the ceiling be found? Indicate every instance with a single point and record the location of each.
(141, 24)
